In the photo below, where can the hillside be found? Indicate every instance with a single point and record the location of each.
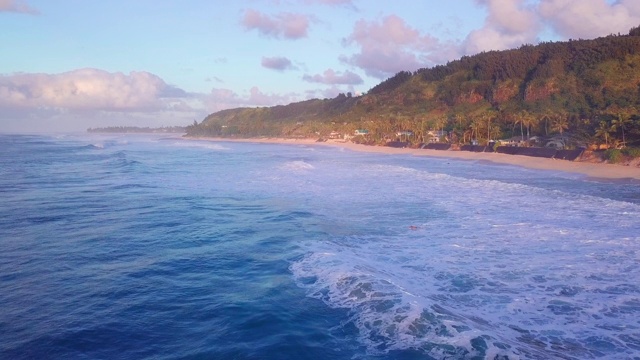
(589, 89)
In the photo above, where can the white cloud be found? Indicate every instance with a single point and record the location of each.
(81, 97)
(389, 46)
(590, 18)
(86, 89)
(509, 24)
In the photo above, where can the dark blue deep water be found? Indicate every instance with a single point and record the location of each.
(147, 247)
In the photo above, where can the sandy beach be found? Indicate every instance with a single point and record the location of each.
(592, 170)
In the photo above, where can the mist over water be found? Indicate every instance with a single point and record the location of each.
(153, 247)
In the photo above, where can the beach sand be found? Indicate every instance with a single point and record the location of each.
(592, 170)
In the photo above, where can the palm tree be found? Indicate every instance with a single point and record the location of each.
(526, 119)
(559, 123)
(533, 122)
(603, 131)
(621, 122)
(461, 124)
(473, 126)
(546, 117)
(515, 120)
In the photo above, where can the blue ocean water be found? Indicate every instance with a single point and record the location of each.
(148, 247)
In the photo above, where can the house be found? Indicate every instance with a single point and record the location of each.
(513, 141)
(361, 132)
(434, 136)
(404, 133)
(555, 144)
(335, 135)
(534, 140)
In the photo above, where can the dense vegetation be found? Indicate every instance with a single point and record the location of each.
(587, 91)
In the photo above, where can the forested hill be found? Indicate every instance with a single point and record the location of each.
(587, 88)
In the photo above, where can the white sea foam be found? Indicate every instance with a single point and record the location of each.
(201, 144)
(297, 165)
(488, 267)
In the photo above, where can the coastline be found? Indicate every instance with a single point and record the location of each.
(590, 169)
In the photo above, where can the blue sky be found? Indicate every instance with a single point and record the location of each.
(73, 64)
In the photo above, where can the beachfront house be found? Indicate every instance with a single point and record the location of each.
(557, 144)
(434, 136)
(335, 135)
(361, 132)
(405, 134)
(513, 141)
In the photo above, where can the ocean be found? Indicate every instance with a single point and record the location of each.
(152, 247)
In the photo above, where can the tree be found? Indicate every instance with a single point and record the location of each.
(517, 120)
(533, 123)
(621, 123)
(439, 123)
(559, 124)
(527, 119)
(603, 131)
(475, 126)
(461, 126)
(546, 117)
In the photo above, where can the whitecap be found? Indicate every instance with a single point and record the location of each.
(298, 165)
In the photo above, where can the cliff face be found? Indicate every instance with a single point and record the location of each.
(542, 91)
(505, 92)
(471, 97)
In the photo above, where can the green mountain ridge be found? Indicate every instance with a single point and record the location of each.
(587, 88)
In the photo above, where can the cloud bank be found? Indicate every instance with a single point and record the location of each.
(88, 97)
(511, 23)
(388, 46)
(590, 18)
(86, 89)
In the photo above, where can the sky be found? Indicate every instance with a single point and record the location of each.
(68, 65)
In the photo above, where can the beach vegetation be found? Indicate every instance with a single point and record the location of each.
(631, 152)
(613, 156)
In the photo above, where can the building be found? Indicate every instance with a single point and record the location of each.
(434, 136)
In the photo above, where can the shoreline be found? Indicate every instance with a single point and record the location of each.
(590, 169)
